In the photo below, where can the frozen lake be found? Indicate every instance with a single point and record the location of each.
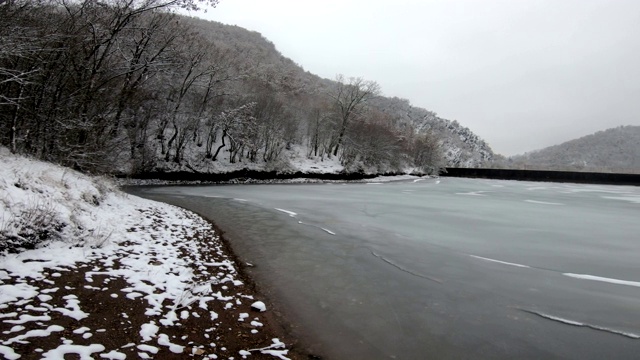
(441, 268)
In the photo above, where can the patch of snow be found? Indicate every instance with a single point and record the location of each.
(291, 213)
(500, 262)
(259, 305)
(630, 198)
(8, 353)
(83, 351)
(148, 331)
(148, 348)
(27, 318)
(473, 193)
(81, 330)
(7, 315)
(72, 309)
(170, 318)
(328, 231)
(151, 246)
(10, 293)
(244, 353)
(386, 179)
(269, 350)
(542, 202)
(603, 279)
(14, 329)
(163, 340)
(114, 355)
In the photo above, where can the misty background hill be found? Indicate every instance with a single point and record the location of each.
(612, 150)
(123, 87)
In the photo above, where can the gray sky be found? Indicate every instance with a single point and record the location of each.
(522, 74)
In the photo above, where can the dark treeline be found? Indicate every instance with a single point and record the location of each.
(546, 175)
(128, 86)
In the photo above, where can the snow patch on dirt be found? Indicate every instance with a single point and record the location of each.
(95, 255)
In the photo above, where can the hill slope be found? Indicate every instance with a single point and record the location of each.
(153, 91)
(616, 150)
(459, 146)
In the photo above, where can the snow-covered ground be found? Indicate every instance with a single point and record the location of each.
(114, 276)
(291, 160)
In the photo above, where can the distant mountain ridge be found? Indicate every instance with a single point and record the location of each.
(612, 150)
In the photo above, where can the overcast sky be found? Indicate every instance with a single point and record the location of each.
(522, 74)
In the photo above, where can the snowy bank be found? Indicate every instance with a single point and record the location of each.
(91, 271)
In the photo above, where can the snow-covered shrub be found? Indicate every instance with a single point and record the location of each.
(40, 202)
(32, 224)
(279, 165)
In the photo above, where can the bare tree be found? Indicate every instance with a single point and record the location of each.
(427, 153)
(349, 99)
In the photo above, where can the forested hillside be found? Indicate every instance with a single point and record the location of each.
(611, 150)
(130, 87)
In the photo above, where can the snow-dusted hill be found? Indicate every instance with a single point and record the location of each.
(616, 149)
(460, 146)
(185, 94)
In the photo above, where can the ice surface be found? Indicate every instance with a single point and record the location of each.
(433, 231)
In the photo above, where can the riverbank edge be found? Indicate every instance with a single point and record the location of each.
(277, 323)
(246, 176)
(276, 318)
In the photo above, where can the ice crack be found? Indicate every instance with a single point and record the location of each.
(405, 270)
(579, 324)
